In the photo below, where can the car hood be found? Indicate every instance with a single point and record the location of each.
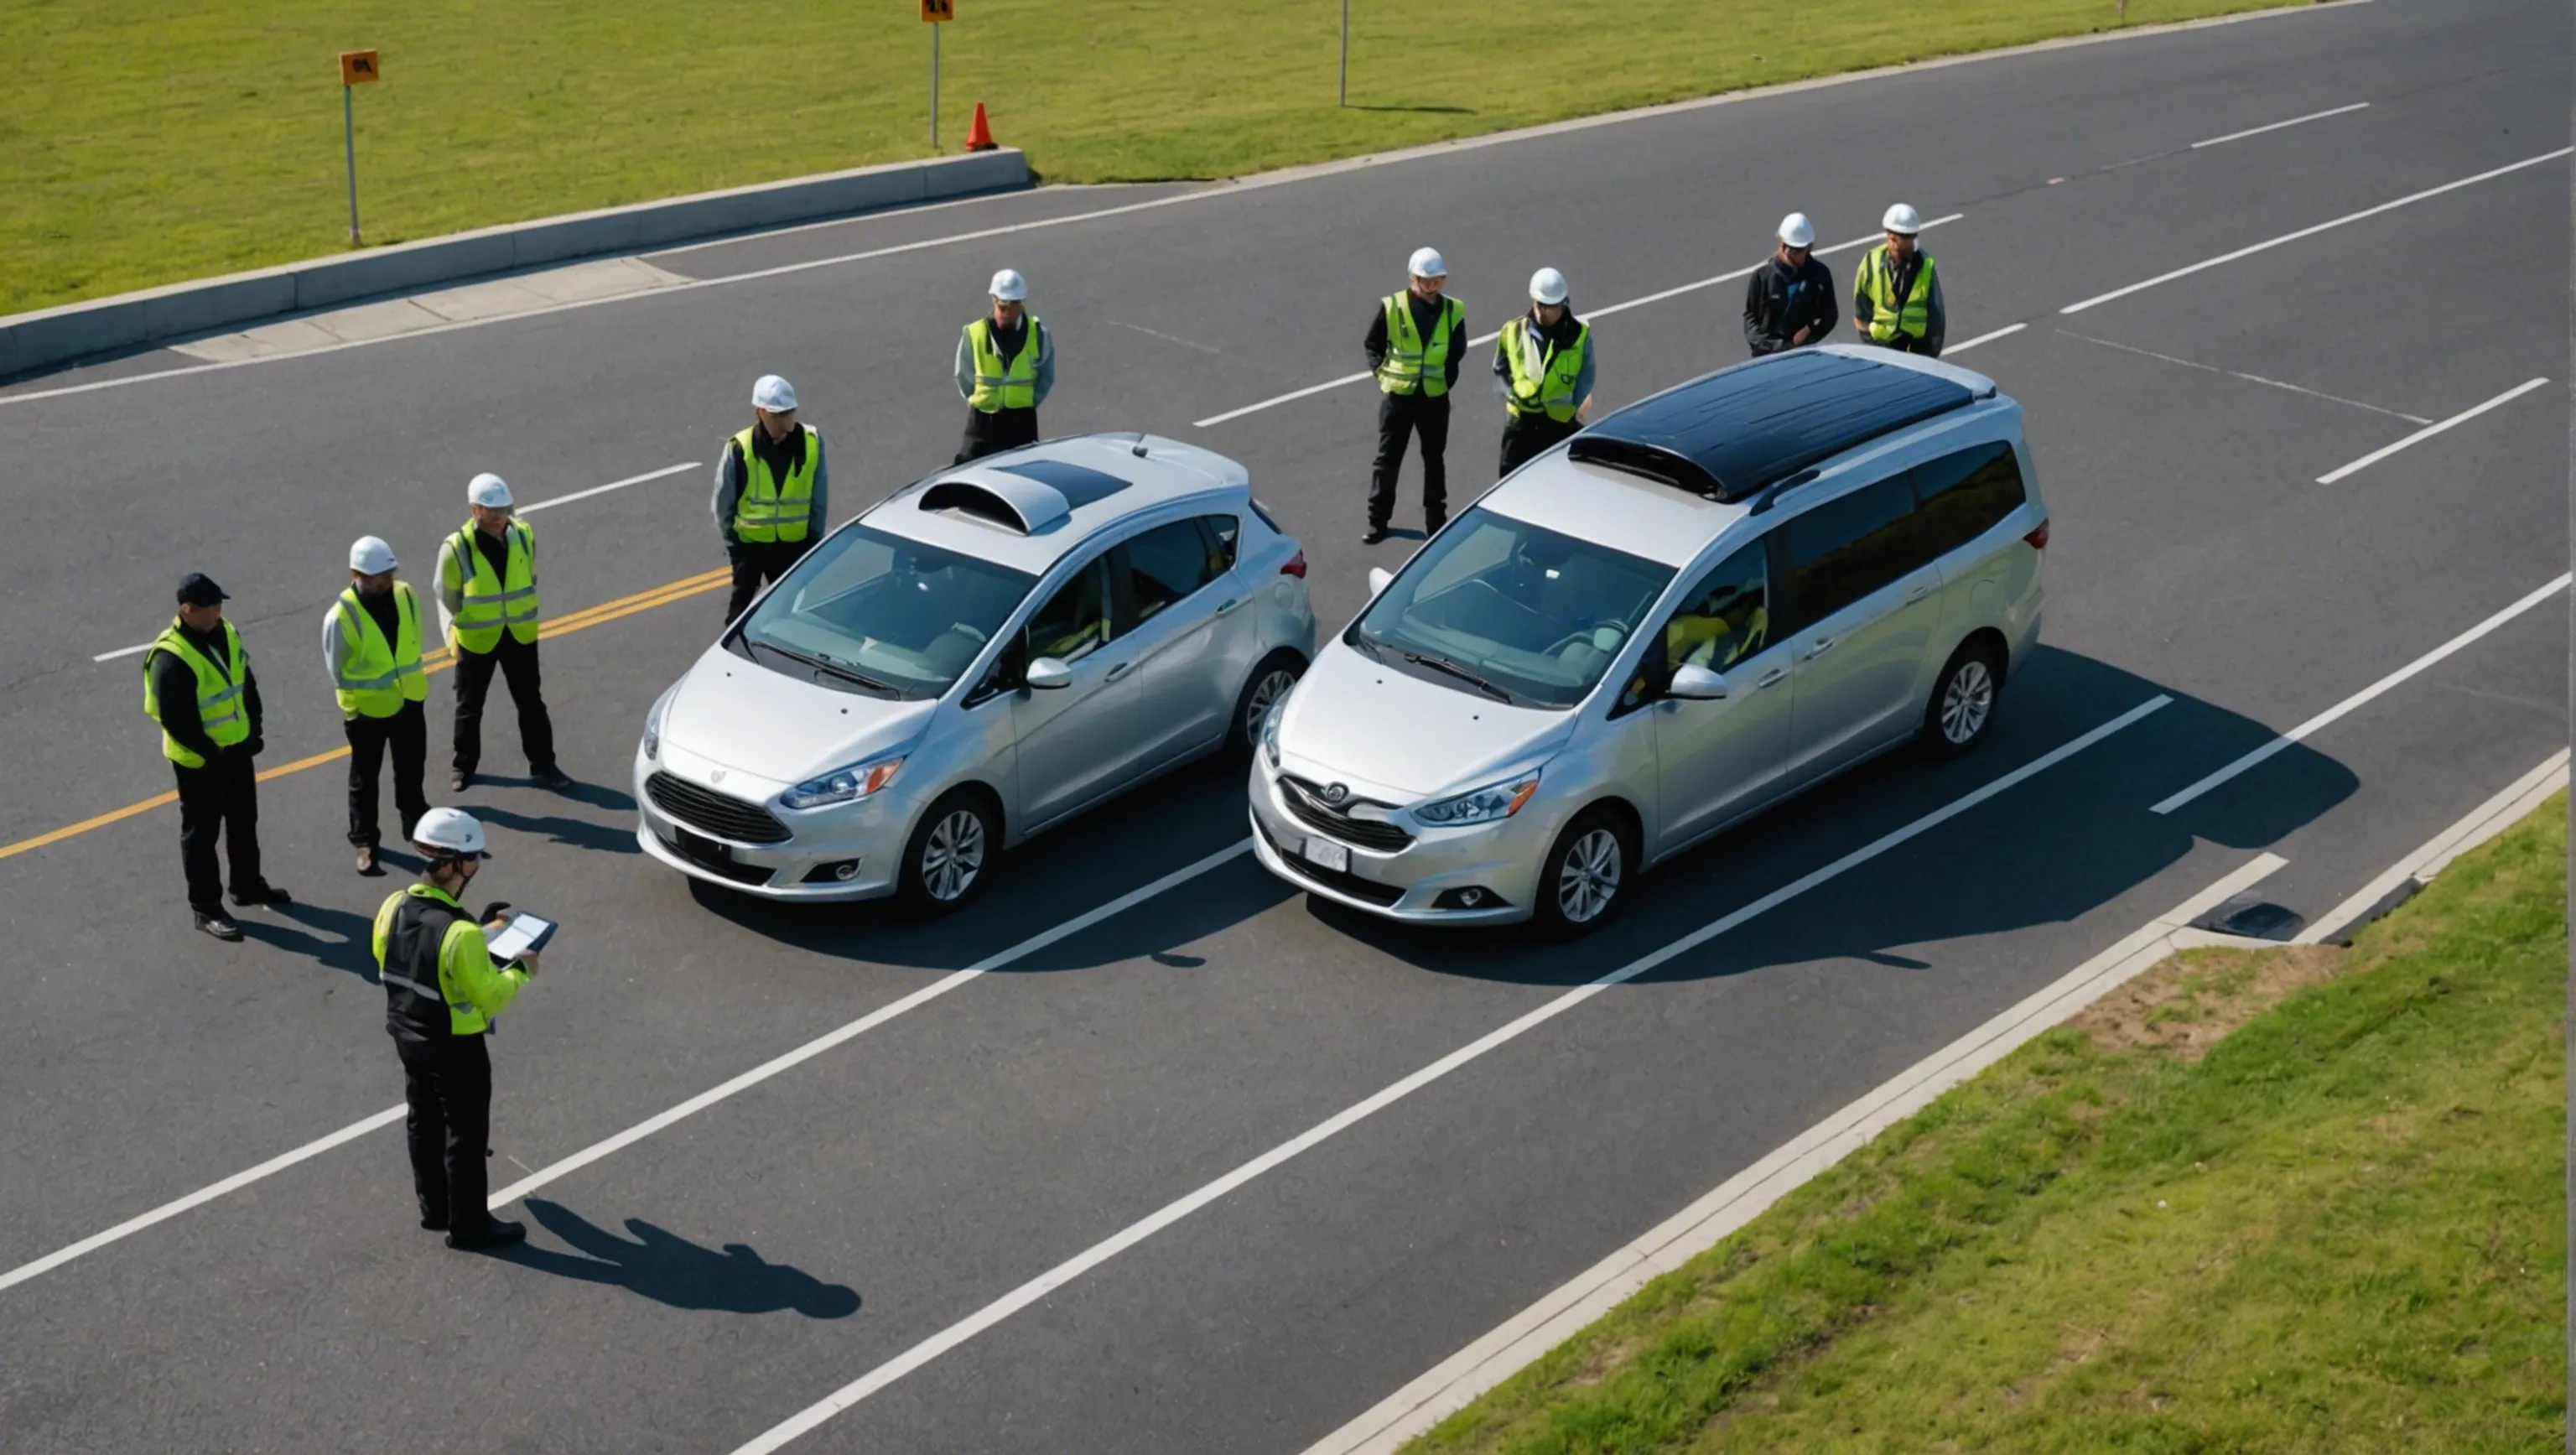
(744, 716)
(1395, 737)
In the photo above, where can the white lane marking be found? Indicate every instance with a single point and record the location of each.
(2291, 237)
(2336, 713)
(523, 510)
(2276, 126)
(695, 1104)
(1072, 1268)
(168, 1210)
(1482, 339)
(2248, 378)
(2006, 331)
(1518, 1342)
(2480, 824)
(2428, 431)
(667, 470)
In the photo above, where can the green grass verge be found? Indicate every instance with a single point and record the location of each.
(2337, 1227)
(145, 143)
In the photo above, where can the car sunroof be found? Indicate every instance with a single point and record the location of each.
(1080, 485)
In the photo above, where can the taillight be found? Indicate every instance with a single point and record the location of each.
(2039, 538)
(1297, 563)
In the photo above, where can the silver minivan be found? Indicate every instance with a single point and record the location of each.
(1710, 600)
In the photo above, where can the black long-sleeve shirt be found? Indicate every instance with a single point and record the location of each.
(1426, 317)
(174, 684)
(1780, 300)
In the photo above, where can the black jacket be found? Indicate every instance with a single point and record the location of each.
(1426, 317)
(1780, 300)
(174, 684)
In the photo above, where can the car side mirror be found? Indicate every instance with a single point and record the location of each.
(1379, 579)
(1046, 674)
(1695, 683)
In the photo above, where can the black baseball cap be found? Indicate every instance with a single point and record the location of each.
(198, 589)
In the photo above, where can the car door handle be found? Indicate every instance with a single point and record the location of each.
(1819, 647)
(1114, 673)
(1921, 590)
(1225, 606)
(1768, 678)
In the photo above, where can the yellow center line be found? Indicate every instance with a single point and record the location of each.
(438, 661)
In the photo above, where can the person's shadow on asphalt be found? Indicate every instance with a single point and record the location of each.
(672, 1270)
(335, 938)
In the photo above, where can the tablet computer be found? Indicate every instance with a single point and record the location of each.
(525, 934)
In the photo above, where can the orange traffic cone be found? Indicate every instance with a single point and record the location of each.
(979, 137)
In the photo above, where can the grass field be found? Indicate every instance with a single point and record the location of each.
(144, 143)
(2294, 1201)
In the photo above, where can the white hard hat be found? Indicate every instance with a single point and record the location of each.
(1426, 263)
(1902, 219)
(370, 554)
(1798, 232)
(1009, 286)
(450, 833)
(489, 491)
(1547, 286)
(773, 394)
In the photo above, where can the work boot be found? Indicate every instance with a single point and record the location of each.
(367, 861)
(457, 781)
(259, 894)
(1376, 533)
(219, 926)
(495, 1234)
(553, 780)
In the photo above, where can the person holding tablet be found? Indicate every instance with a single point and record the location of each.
(442, 990)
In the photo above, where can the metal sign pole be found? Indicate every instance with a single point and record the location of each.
(349, 139)
(934, 88)
(1346, 51)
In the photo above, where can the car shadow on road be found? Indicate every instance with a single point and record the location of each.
(579, 833)
(671, 1270)
(335, 938)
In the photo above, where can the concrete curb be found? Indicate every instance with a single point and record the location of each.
(30, 341)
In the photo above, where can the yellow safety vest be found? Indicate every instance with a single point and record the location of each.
(1411, 362)
(220, 709)
(1003, 383)
(1890, 315)
(769, 509)
(378, 676)
(492, 603)
(1543, 382)
(422, 922)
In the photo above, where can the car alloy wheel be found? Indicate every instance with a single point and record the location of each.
(953, 855)
(1273, 685)
(1590, 879)
(1966, 702)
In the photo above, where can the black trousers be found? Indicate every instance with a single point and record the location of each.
(447, 1090)
(220, 798)
(517, 660)
(990, 434)
(1400, 416)
(1528, 436)
(756, 563)
(407, 733)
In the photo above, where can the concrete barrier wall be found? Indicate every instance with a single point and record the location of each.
(32, 341)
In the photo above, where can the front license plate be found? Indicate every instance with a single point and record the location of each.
(699, 847)
(1329, 854)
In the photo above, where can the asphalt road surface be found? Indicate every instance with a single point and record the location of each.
(1272, 1159)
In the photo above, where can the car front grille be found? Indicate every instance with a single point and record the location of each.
(710, 812)
(1337, 880)
(1306, 804)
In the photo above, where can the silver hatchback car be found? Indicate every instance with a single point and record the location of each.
(1705, 602)
(979, 656)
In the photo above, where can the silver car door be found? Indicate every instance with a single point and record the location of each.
(1075, 743)
(1191, 635)
(1867, 597)
(1722, 758)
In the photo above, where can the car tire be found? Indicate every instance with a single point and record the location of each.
(1587, 874)
(1964, 697)
(950, 853)
(1270, 681)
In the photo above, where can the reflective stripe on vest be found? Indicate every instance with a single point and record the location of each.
(1890, 315)
(1003, 383)
(378, 677)
(1413, 363)
(1543, 381)
(492, 603)
(767, 510)
(220, 710)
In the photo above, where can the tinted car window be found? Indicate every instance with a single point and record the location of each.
(906, 615)
(1166, 564)
(1845, 549)
(1725, 619)
(1224, 533)
(1962, 496)
(1075, 621)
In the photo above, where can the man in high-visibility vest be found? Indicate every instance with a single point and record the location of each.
(197, 685)
(487, 596)
(1896, 295)
(1416, 341)
(1543, 365)
(1005, 369)
(772, 489)
(371, 650)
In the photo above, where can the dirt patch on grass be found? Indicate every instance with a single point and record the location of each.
(2190, 1002)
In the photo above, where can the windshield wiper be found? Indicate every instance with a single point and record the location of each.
(821, 663)
(1443, 664)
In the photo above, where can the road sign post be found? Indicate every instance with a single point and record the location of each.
(357, 68)
(1346, 52)
(936, 13)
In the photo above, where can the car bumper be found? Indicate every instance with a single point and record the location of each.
(1502, 859)
(867, 835)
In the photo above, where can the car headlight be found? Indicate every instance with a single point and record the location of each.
(1483, 805)
(842, 785)
(1270, 733)
(653, 723)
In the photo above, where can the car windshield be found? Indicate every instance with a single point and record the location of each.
(884, 613)
(1512, 610)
